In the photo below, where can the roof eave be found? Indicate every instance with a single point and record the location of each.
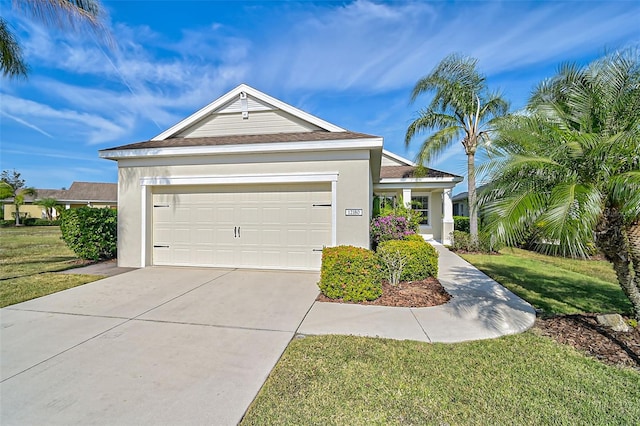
(273, 147)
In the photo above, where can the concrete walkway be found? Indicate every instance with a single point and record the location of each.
(480, 309)
(156, 346)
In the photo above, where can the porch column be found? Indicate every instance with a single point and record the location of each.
(447, 216)
(406, 197)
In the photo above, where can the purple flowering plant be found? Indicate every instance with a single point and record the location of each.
(390, 227)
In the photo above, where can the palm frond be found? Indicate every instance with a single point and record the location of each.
(11, 59)
(624, 194)
(428, 120)
(436, 143)
(569, 219)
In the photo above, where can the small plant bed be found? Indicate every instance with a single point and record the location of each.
(583, 332)
(410, 294)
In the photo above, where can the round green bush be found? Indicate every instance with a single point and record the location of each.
(421, 258)
(415, 237)
(90, 232)
(350, 273)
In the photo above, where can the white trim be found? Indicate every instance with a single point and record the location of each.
(399, 158)
(236, 179)
(334, 213)
(143, 226)
(406, 197)
(222, 100)
(340, 144)
(420, 180)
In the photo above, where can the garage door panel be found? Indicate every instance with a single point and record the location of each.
(279, 226)
(271, 215)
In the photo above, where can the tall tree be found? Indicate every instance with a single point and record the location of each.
(569, 169)
(462, 109)
(12, 186)
(71, 14)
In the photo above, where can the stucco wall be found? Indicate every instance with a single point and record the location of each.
(26, 210)
(352, 190)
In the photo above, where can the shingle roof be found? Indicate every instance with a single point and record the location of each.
(400, 172)
(244, 139)
(82, 192)
(92, 191)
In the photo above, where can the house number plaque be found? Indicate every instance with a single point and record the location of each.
(353, 212)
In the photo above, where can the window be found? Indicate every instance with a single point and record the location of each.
(384, 204)
(420, 204)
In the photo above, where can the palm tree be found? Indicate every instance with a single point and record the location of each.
(11, 186)
(569, 169)
(68, 13)
(462, 109)
(48, 204)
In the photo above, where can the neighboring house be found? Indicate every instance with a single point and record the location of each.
(250, 181)
(461, 202)
(92, 194)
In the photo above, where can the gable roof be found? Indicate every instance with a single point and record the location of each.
(232, 101)
(395, 159)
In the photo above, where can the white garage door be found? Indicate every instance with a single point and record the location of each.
(269, 226)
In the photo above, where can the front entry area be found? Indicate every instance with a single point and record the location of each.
(274, 226)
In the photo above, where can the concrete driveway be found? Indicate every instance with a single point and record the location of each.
(152, 346)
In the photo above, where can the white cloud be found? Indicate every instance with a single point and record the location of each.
(81, 126)
(381, 47)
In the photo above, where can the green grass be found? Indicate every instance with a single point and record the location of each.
(555, 285)
(521, 379)
(28, 255)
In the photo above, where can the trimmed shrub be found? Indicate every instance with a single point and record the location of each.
(91, 233)
(390, 227)
(461, 223)
(420, 258)
(415, 237)
(6, 223)
(29, 221)
(350, 273)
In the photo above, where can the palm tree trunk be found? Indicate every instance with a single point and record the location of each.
(17, 214)
(633, 233)
(471, 190)
(618, 248)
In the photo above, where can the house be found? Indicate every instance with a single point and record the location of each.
(92, 194)
(250, 181)
(461, 202)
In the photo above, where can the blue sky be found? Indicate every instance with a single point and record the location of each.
(351, 63)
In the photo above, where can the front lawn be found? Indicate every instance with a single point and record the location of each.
(28, 256)
(555, 285)
(521, 379)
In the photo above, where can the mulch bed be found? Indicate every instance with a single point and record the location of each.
(581, 331)
(412, 294)
(585, 334)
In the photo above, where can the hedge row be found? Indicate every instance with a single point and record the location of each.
(30, 221)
